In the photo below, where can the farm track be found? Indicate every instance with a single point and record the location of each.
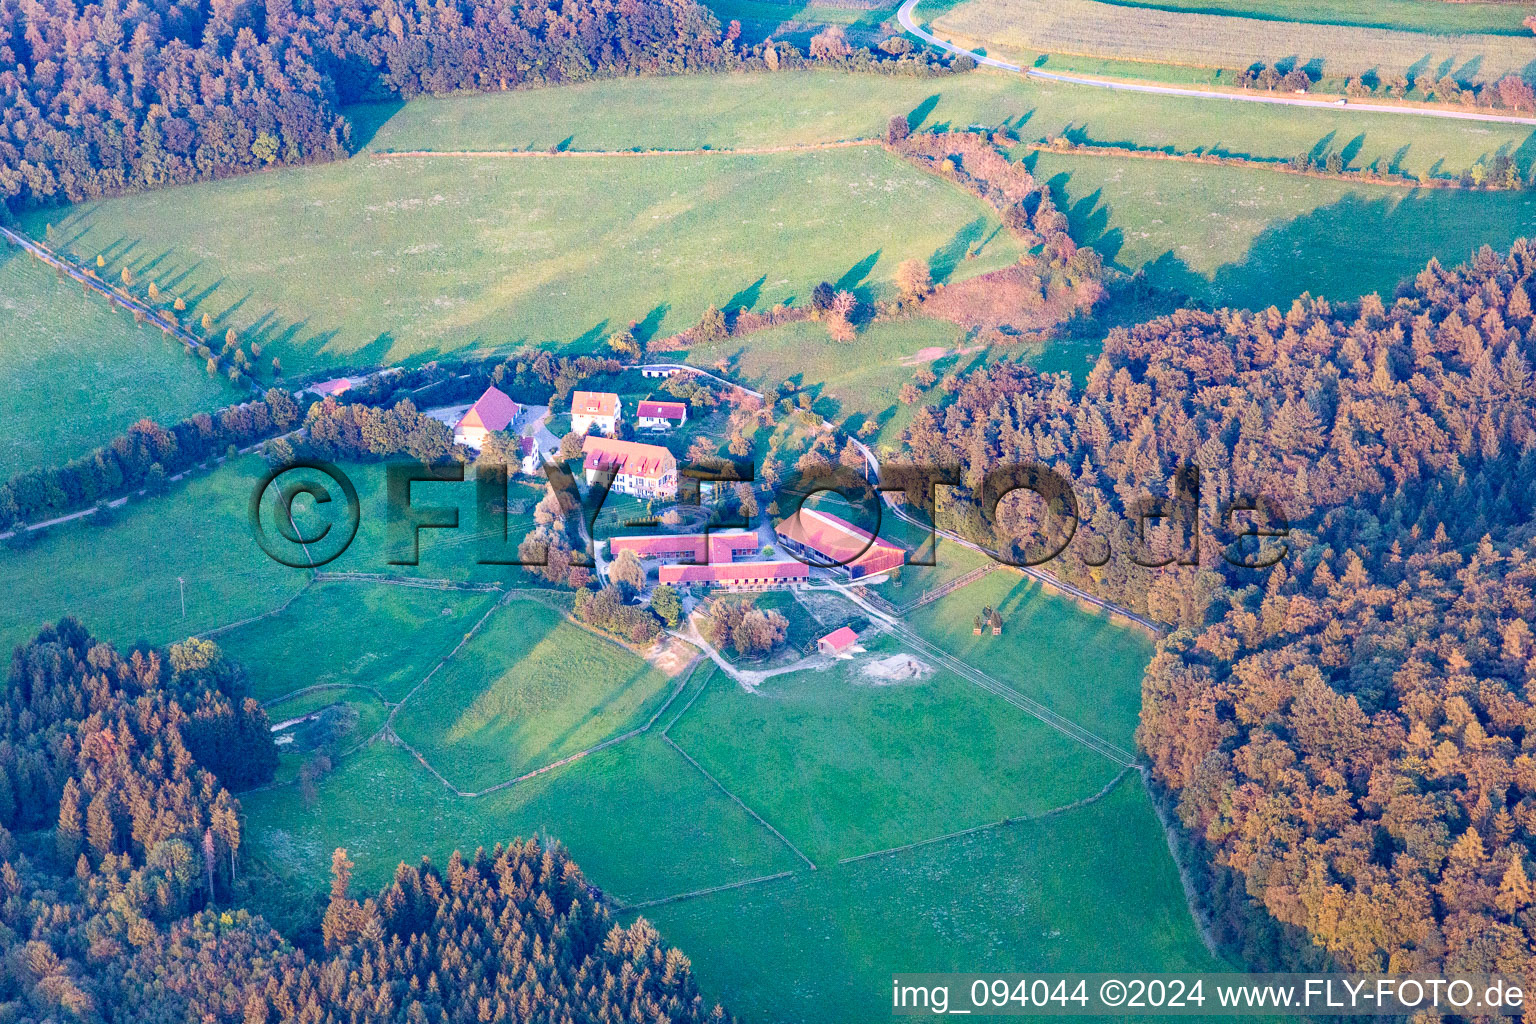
(544, 154)
(904, 16)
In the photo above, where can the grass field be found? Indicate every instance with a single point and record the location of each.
(1251, 238)
(1081, 665)
(529, 689)
(74, 373)
(1436, 16)
(641, 822)
(444, 254)
(1096, 28)
(358, 634)
(119, 575)
(797, 22)
(1091, 890)
(844, 765)
(729, 111)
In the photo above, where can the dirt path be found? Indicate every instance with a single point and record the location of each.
(545, 154)
(748, 679)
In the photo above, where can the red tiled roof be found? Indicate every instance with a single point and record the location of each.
(839, 639)
(492, 410)
(734, 572)
(722, 548)
(334, 386)
(836, 540)
(594, 403)
(690, 544)
(725, 546)
(526, 446)
(661, 410)
(647, 461)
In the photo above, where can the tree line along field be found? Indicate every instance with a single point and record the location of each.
(447, 255)
(1434, 16)
(76, 372)
(1250, 238)
(1097, 28)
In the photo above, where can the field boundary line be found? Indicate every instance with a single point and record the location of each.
(408, 581)
(216, 630)
(1019, 819)
(1276, 166)
(739, 801)
(626, 908)
(945, 589)
(314, 687)
(611, 741)
(544, 154)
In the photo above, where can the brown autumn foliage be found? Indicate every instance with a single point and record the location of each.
(1350, 735)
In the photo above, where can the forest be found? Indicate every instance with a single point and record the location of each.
(121, 877)
(116, 96)
(1349, 734)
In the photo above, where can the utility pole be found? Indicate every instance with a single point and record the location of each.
(183, 583)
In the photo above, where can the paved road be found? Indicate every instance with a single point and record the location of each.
(904, 15)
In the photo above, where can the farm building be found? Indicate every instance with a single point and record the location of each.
(737, 575)
(839, 641)
(659, 371)
(334, 386)
(822, 539)
(595, 410)
(640, 470)
(652, 415)
(692, 548)
(491, 412)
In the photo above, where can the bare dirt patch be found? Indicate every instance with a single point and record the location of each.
(898, 668)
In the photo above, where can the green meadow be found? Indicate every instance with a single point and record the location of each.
(529, 689)
(642, 823)
(1093, 889)
(806, 108)
(380, 260)
(74, 372)
(382, 637)
(845, 763)
(1078, 663)
(1252, 238)
(123, 573)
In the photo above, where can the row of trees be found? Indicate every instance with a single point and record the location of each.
(142, 457)
(1348, 734)
(120, 903)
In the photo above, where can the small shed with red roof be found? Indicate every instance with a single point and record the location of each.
(839, 641)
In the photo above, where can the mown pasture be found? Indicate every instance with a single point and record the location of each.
(642, 823)
(527, 690)
(1100, 29)
(1251, 238)
(377, 636)
(74, 372)
(123, 573)
(844, 762)
(1433, 16)
(384, 259)
(1093, 889)
(1078, 663)
(807, 108)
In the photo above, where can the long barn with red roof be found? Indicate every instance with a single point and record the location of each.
(824, 540)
